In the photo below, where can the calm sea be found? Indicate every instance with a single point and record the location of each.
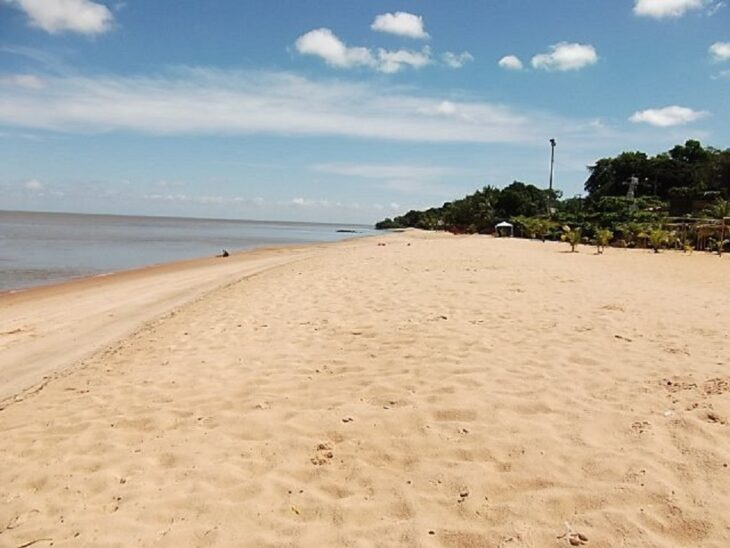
(41, 248)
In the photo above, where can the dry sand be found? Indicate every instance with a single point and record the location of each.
(434, 391)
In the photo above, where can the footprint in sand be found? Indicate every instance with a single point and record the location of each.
(323, 456)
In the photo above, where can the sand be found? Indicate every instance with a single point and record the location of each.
(434, 391)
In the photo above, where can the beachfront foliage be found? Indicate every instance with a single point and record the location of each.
(685, 171)
(687, 180)
(530, 226)
(719, 210)
(603, 238)
(658, 239)
(571, 236)
(478, 212)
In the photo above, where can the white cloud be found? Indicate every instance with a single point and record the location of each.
(323, 43)
(320, 203)
(201, 101)
(384, 171)
(660, 9)
(510, 62)
(55, 16)
(202, 199)
(446, 107)
(393, 61)
(667, 116)
(714, 8)
(34, 185)
(720, 51)
(400, 23)
(456, 60)
(29, 81)
(566, 56)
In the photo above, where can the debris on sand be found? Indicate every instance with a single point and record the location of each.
(573, 537)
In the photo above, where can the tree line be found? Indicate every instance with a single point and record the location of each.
(689, 182)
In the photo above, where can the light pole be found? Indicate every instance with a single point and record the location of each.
(552, 165)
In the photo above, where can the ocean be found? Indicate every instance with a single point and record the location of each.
(43, 248)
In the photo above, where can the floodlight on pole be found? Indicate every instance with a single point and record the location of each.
(552, 166)
(552, 160)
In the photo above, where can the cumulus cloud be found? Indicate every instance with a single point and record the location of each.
(55, 16)
(510, 62)
(660, 9)
(393, 61)
(29, 81)
(323, 43)
(667, 116)
(566, 56)
(456, 60)
(720, 51)
(400, 23)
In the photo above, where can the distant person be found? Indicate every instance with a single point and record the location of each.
(224, 253)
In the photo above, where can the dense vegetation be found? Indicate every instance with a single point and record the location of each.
(670, 189)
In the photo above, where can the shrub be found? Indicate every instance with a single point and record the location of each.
(572, 237)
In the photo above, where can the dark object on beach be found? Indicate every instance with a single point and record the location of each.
(224, 253)
(347, 230)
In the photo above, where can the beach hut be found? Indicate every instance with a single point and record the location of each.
(504, 229)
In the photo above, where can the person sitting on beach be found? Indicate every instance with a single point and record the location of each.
(224, 253)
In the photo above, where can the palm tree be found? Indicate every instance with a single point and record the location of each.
(658, 238)
(530, 225)
(572, 237)
(603, 237)
(544, 226)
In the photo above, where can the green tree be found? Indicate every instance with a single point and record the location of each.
(521, 199)
(719, 210)
(609, 176)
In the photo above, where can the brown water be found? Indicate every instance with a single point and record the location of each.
(40, 248)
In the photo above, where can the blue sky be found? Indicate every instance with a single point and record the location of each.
(341, 110)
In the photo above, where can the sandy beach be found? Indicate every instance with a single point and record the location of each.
(410, 389)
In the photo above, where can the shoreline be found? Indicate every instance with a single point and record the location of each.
(139, 271)
(40, 324)
(58, 247)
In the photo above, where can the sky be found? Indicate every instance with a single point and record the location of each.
(341, 110)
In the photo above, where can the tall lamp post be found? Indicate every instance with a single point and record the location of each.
(552, 166)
